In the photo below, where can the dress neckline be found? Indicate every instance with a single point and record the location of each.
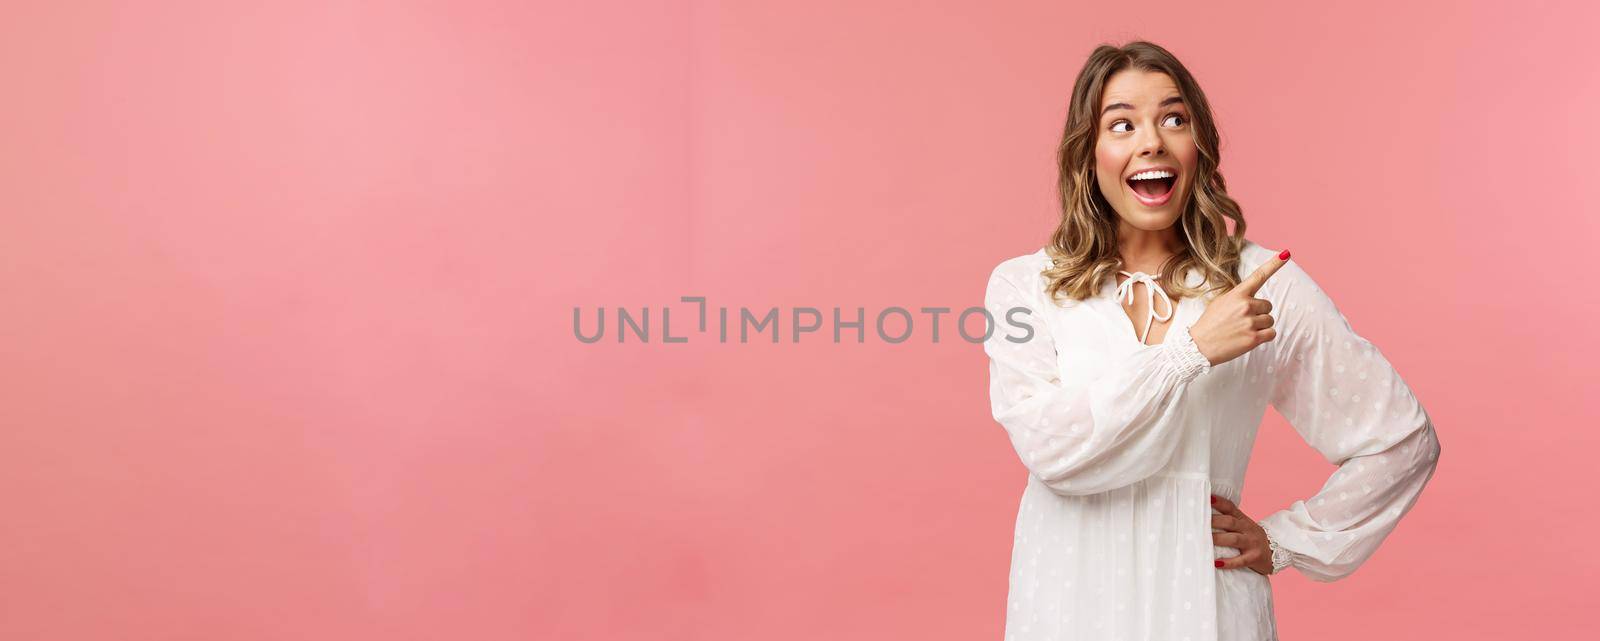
(1124, 291)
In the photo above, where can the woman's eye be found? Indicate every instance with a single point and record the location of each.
(1125, 124)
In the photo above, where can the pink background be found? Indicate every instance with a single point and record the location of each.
(288, 349)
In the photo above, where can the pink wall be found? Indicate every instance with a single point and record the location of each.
(288, 351)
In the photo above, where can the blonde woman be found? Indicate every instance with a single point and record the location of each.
(1133, 359)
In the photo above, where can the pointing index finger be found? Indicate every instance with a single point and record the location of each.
(1257, 278)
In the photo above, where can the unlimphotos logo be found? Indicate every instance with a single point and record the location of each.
(891, 324)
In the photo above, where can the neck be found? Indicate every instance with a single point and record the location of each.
(1145, 251)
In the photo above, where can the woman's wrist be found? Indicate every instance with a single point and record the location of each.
(1183, 355)
(1281, 556)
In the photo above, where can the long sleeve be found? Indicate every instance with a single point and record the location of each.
(1086, 438)
(1345, 399)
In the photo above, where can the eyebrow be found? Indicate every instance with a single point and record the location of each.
(1124, 105)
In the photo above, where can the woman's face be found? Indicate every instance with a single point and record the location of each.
(1144, 125)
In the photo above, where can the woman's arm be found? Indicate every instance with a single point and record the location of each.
(1085, 438)
(1348, 402)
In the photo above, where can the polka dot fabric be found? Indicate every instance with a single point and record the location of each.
(1125, 442)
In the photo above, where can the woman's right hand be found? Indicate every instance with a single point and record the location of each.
(1236, 321)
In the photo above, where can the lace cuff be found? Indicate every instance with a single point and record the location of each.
(1182, 355)
(1281, 556)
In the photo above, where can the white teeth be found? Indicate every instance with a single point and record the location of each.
(1150, 175)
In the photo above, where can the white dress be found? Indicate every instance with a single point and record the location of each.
(1125, 442)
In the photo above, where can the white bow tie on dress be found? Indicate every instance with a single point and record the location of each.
(1125, 291)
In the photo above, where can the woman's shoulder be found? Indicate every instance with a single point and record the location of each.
(1024, 271)
(1026, 275)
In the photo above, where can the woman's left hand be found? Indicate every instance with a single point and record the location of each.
(1241, 532)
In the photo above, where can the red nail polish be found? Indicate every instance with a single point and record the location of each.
(1284, 255)
(1219, 564)
(1213, 499)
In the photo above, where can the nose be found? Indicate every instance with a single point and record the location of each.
(1151, 143)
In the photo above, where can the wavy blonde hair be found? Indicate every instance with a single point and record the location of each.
(1084, 245)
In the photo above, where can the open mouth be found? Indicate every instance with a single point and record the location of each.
(1153, 187)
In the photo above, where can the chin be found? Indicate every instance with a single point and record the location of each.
(1153, 220)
